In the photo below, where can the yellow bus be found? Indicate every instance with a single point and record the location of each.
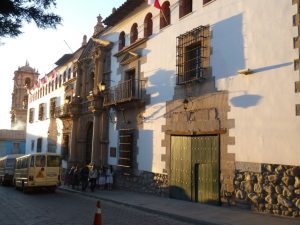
(37, 170)
(7, 168)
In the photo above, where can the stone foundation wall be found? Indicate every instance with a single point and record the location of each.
(275, 189)
(145, 182)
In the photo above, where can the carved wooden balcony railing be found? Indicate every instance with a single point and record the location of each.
(126, 91)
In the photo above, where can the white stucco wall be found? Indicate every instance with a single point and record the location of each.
(255, 34)
(39, 129)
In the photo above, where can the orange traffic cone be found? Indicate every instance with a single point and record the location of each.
(98, 217)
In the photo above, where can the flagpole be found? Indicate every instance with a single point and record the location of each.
(162, 12)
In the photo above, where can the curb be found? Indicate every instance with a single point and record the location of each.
(145, 209)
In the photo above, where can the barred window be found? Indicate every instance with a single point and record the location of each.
(52, 107)
(125, 148)
(42, 111)
(193, 52)
(31, 115)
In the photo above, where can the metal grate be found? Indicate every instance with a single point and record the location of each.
(192, 55)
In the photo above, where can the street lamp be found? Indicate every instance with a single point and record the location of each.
(101, 86)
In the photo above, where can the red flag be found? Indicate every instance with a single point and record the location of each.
(44, 79)
(53, 74)
(155, 3)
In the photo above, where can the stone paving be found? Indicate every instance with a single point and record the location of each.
(194, 213)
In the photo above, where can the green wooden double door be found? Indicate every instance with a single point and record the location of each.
(195, 173)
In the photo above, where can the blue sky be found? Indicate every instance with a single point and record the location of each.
(42, 48)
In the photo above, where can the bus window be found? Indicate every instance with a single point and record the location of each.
(40, 161)
(24, 163)
(53, 161)
(32, 161)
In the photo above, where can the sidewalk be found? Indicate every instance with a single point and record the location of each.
(187, 211)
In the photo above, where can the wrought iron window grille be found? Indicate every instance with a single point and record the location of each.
(192, 59)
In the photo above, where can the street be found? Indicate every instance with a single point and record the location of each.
(64, 208)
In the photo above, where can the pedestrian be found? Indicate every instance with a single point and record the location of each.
(102, 178)
(76, 177)
(84, 177)
(70, 175)
(109, 178)
(93, 174)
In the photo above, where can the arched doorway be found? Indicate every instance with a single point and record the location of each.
(89, 140)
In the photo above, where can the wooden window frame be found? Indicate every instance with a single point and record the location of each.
(148, 25)
(185, 7)
(193, 52)
(121, 40)
(165, 15)
(133, 33)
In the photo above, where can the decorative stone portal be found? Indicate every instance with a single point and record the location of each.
(204, 115)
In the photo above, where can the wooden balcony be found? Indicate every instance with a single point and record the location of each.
(126, 91)
(62, 111)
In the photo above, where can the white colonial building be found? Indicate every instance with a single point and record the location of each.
(198, 100)
(203, 100)
(48, 124)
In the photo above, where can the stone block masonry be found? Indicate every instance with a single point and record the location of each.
(274, 189)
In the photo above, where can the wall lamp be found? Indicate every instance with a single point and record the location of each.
(245, 71)
(185, 107)
(185, 104)
(102, 86)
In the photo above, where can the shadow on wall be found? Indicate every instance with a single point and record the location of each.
(273, 67)
(145, 150)
(245, 101)
(161, 88)
(228, 47)
(32, 147)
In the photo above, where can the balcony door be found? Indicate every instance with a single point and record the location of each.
(130, 78)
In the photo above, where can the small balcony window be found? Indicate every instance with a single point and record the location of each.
(165, 15)
(42, 109)
(52, 107)
(133, 33)
(31, 115)
(148, 25)
(121, 40)
(206, 1)
(185, 7)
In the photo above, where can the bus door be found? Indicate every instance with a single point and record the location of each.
(53, 170)
(40, 170)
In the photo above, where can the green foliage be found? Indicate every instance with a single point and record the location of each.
(14, 12)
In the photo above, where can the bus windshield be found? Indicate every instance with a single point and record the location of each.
(40, 161)
(53, 161)
(10, 163)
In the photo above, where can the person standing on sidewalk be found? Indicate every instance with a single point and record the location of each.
(109, 178)
(84, 177)
(101, 178)
(93, 174)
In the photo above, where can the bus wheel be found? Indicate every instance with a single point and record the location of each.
(52, 189)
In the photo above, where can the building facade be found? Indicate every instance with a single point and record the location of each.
(197, 100)
(49, 122)
(24, 79)
(190, 99)
(12, 142)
